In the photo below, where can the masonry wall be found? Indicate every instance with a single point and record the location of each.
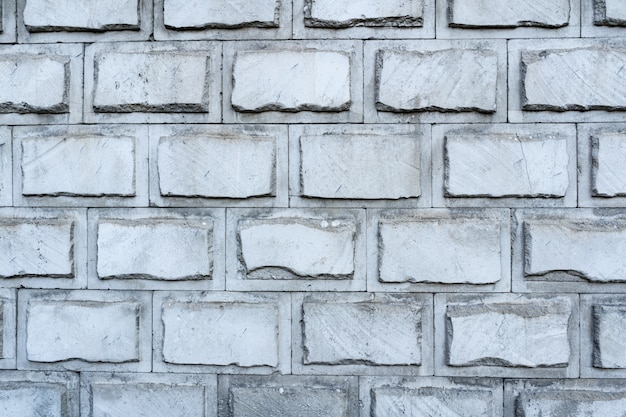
(313, 208)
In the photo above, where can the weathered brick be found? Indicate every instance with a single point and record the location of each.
(609, 327)
(344, 14)
(609, 12)
(185, 15)
(7, 328)
(508, 14)
(92, 15)
(6, 167)
(608, 175)
(436, 80)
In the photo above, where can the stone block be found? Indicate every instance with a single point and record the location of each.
(161, 82)
(609, 13)
(504, 165)
(84, 330)
(103, 165)
(149, 394)
(603, 18)
(566, 80)
(304, 396)
(434, 81)
(438, 250)
(426, 396)
(156, 249)
(45, 86)
(569, 250)
(213, 166)
(365, 334)
(7, 330)
(43, 248)
(8, 21)
(295, 250)
(292, 82)
(53, 394)
(221, 332)
(6, 167)
(333, 165)
(506, 335)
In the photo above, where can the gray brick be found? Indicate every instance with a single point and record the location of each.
(7, 21)
(6, 167)
(508, 14)
(602, 18)
(7, 329)
(609, 13)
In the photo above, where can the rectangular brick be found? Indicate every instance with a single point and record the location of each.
(156, 249)
(609, 13)
(7, 328)
(8, 18)
(429, 249)
(156, 395)
(84, 330)
(506, 335)
(6, 167)
(292, 250)
(248, 396)
(179, 14)
(342, 14)
(508, 14)
(221, 332)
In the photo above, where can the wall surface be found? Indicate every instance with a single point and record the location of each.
(312, 208)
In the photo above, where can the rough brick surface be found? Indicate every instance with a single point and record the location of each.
(510, 13)
(219, 14)
(342, 14)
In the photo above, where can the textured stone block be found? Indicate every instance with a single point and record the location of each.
(364, 334)
(7, 329)
(608, 152)
(6, 167)
(344, 14)
(294, 250)
(223, 332)
(157, 395)
(609, 13)
(507, 335)
(247, 396)
(8, 18)
(185, 15)
(508, 14)
(53, 394)
(84, 330)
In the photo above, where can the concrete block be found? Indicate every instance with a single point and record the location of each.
(43, 248)
(56, 70)
(428, 250)
(292, 82)
(156, 249)
(40, 21)
(148, 395)
(6, 167)
(8, 326)
(506, 335)
(364, 334)
(561, 398)
(423, 82)
(295, 250)
(84, 330)
(504, 165)
(378, 166)
(315, 19)
(161, 82)
(566, 80)
(426, 396)
(222, 332)
(8, 21)
(53, 394)
(103, 165)
(569, 250)
(603, 18)
(207, 165)
(304, 396)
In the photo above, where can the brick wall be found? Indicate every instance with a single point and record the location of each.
(312, 208)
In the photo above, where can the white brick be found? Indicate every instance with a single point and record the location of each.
(506, 165)
(221, 333)
(586, 400)
(609, 164)
(7, 328)
(6, 167)
(31, 394)
(609, 12)
(615, 9)
(586, 78)
(440, 80)
(360, 166)
(198, 14)
(78, 166)
(508, 13)
(291, 81)
(90, 331)
(162, 249)
(216, 166)
(87, 15)
(609, 328)
(345, 13)
(386, 332)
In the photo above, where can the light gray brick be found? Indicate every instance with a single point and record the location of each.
(152, 82)
(80, 165)
(209, 165)
(7, 329)
(155, 395)
(156, 249)
(609, 13)
(305, 396)
(6, 167)
(221, 332)
(32, 394)
(603, 18)
(8, 21)
(295, 250)
(428, 250)
(43, 248)
(506, 335)
(84, 330)
(508, 14)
